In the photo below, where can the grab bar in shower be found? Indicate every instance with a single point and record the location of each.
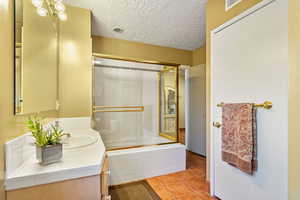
(128, 109)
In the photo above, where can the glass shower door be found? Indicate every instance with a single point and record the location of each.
(118, 104)
(127, 104)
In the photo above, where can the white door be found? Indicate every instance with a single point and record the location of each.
(196, 131)
(250, 64)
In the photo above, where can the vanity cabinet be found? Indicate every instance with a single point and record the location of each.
(85, 188)
(105, 180)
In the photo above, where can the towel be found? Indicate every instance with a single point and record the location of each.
(239, 136)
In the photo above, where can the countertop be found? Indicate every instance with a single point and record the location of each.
(77, 162)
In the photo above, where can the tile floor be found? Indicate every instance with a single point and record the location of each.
(186, 185)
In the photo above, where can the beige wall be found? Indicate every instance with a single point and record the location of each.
(216, 16)
(199, 56)
(140, 51)
(10, 125)
(294, 99)
(6, 63)
(75, 67)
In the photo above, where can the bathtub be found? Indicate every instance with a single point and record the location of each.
(144, 162)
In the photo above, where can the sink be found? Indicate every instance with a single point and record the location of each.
(79, 140)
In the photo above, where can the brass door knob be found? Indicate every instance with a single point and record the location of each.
(217, 124)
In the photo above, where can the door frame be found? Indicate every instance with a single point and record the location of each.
(188, 108)
(215, 31)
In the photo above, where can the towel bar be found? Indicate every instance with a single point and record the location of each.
(266, 105)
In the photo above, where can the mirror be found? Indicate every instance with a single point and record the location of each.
(36, 59)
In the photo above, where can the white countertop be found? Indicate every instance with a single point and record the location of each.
(77, 162)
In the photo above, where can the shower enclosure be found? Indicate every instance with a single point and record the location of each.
(135, 103)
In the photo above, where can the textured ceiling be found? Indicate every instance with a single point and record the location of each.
(172, 23)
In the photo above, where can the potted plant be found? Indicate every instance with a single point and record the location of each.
(48, 142)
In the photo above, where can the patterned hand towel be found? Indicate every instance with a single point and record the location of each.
(239, 136)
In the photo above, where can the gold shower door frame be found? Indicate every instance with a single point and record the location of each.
(173, 65)
(161, 112)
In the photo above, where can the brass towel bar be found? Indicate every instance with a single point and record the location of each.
(266, 105)
(102, 109)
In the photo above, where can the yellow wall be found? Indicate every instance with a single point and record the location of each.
(294, 99)
(6, 63)
(11, 126)
(75, 64)
(140, 51)
(199, 56)
(216, 16)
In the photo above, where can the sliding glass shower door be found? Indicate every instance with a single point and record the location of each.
(126, 109)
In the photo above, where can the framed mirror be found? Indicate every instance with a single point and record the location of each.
(36, 59)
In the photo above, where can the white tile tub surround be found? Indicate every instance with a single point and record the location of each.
(22, 169)
(140, 163)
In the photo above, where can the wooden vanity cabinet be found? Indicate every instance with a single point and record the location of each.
(85, 188)
(105, 180)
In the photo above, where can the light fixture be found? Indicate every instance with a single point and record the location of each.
(62, 16)
(59, 6)
(37, 3)
(118, 30)
(52, 7)
(42, 12)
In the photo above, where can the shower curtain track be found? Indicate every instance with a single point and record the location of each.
(108, 56)
(126, 68)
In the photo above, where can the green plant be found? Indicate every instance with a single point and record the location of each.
(43, 137)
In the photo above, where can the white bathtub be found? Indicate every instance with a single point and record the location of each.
(145, 162)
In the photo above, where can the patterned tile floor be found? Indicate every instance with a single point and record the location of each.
(186, 185)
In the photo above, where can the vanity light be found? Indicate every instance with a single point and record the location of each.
(52, 7)
(62, 16)
(42, 12)
(59, 6)
(37, 3)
